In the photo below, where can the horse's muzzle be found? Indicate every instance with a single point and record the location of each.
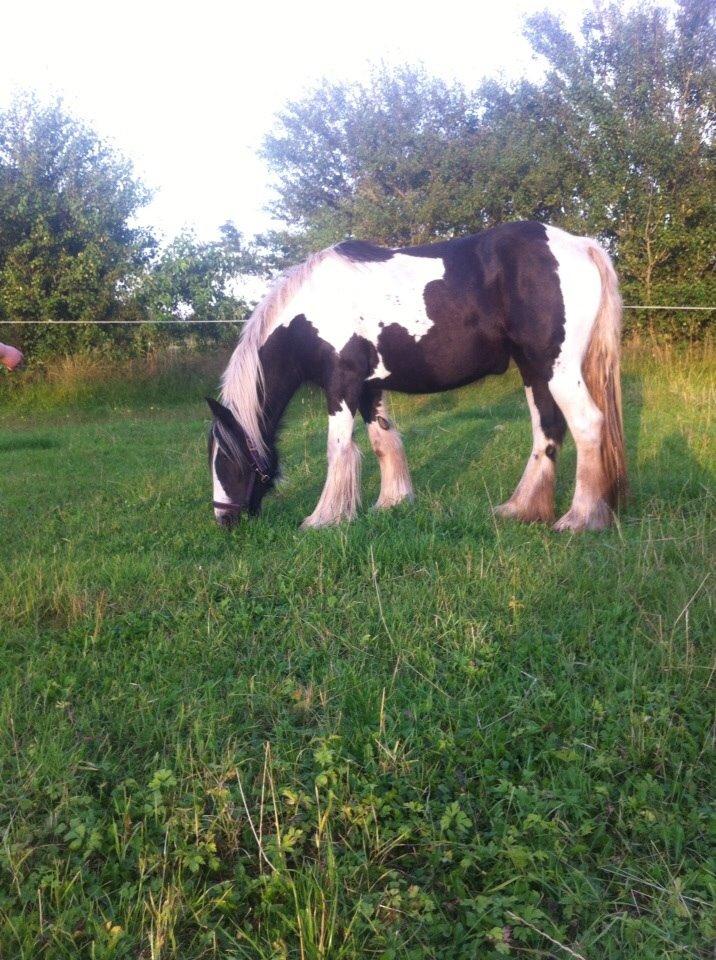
(227, 514)
(228, 519)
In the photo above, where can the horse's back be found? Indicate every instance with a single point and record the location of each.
(499, 297)
(429, 318)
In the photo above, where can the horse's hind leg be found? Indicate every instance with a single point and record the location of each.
(395, 483)
(589, 510)
(340, 498)
(533, 499)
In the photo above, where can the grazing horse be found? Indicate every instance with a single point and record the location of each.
(359, 319)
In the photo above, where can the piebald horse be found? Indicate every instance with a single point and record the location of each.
(359, 320)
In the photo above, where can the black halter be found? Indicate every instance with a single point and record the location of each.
(257, 473)
(232, 508)
(257, 466)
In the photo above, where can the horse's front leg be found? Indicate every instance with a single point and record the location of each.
(395, 483)
(340, 498)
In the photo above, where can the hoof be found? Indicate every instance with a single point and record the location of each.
(597, 517)
(386, 503)
(509, 511)
(317, 521)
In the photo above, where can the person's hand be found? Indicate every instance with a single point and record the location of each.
(10, 357)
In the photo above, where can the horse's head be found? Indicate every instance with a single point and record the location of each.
(241, 477)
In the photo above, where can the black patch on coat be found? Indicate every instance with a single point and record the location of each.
(342, 374)
(551, 418)
(360, 251)
(369, 402)
(511, 274)
(499, 299)
(552, 421)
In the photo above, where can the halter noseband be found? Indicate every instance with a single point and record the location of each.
(232, 508)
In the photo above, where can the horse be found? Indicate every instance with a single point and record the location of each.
(359, 319)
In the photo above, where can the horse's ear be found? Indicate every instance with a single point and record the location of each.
(225, 416)
(228, 431)
(220, 411)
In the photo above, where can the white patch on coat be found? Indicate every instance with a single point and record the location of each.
(381, 371)
(581, 288)
(340, 430)
(220, 495)
(539, 440)
(342, 298)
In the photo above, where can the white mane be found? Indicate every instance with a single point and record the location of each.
(243, 381)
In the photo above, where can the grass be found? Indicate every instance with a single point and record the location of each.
(426, 734)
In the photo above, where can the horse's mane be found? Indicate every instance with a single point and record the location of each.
(243, 381)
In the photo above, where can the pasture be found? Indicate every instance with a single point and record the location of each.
(426, 734)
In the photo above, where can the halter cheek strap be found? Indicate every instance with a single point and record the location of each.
(235, 508)
(257, 466)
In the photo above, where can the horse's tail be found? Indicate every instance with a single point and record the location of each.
(602, 377)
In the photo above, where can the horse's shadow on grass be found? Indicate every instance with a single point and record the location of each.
(27, 443)
(445, 439)
(675, 477)
(441, 445)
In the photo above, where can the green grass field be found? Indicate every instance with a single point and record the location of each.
(426, 734)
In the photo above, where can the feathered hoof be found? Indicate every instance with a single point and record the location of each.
(317, 522)
(598, 517)
(387, 503)
(509, 511)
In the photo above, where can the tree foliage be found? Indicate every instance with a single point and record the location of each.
(70, 250)
(66, 241)
(616, 141)
(638, 97)
(194, 280)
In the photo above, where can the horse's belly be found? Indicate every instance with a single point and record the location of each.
(441, 360)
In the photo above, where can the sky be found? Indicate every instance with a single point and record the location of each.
(188, 91)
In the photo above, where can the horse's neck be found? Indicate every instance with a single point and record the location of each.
(281, 380)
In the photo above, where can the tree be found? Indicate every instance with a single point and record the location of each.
(191, 280)
(636, 98)
(66, 240)
(616, 141)
(382, 159)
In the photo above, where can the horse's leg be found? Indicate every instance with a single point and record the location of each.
(533, 499)
(341, 493)
(589, 510)
(395, 483)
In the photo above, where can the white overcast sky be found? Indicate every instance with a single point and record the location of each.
(188, 90)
